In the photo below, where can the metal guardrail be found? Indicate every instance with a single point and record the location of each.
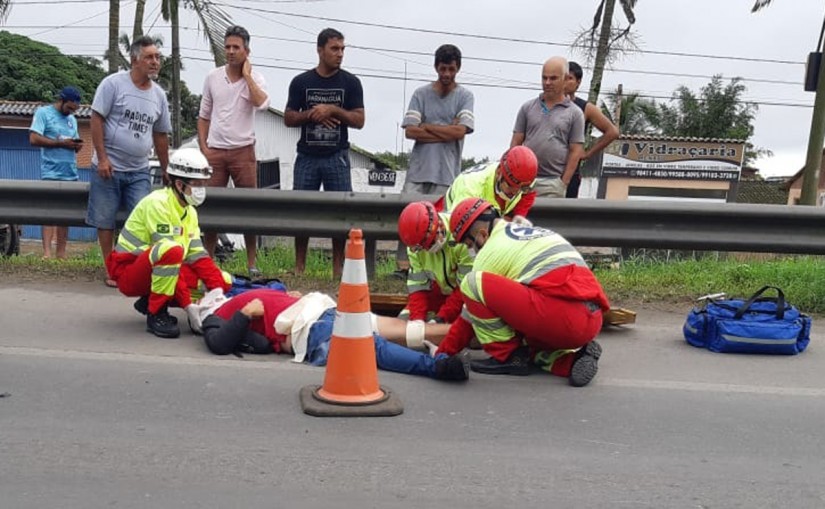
(650, 224)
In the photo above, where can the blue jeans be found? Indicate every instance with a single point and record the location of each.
(333, 171)
(389, 356)
(125, 189)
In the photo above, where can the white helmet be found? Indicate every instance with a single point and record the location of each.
(189, 163)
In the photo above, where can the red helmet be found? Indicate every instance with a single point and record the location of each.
(418, 224)
(518, 166)
(464, 215)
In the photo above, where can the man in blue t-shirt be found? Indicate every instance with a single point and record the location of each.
(324, 102)
(54, 130)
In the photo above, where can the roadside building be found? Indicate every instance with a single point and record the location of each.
(794, 186)
(671, 169)
(19, 160)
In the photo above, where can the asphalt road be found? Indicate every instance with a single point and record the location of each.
(99, 413)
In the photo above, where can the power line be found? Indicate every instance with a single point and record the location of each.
(516, 87)
(422, 78)
(530, 63)
(505, 39)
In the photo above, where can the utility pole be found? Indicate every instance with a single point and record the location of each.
(601, 52)
(176, 121)
(813, 161)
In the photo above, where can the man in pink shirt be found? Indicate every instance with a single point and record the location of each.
(226, 126)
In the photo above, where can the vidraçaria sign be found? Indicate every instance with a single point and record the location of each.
(673, 159)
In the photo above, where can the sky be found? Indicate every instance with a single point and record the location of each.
(391, 46)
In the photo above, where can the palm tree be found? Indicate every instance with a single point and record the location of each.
(137, 27)
(638, 115)
(214, 21)
(758, 4)
(5, 9)
(114, 21)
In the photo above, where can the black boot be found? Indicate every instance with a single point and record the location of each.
(142, 306)
(517, 364)
(162, 325)
(586, 364)
(454, 367)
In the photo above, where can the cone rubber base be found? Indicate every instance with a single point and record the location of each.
(314, 405)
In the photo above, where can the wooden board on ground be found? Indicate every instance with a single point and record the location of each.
(387, 304)
(619, 316)
(390, 304)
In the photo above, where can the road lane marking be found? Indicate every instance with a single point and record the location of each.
(712, 387)
(282, 363)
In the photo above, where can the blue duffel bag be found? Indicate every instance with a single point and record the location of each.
(766, 325)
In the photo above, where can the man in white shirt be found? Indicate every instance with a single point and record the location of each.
(226, 126)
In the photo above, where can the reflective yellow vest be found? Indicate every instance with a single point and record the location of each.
(161, 216)
(446, 267)
(519, 253)
(478, 182)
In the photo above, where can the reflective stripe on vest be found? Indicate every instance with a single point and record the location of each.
(487, 330)
(524, 254)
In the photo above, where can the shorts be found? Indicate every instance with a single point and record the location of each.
(106, 196)
(238, 163)
(333, 171)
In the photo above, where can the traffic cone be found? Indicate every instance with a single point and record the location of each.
(351, 386)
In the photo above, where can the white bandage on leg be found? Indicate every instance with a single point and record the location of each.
(374, 323)
(415, 334)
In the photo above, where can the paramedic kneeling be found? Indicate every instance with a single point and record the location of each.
(160, 248)
(530, 296)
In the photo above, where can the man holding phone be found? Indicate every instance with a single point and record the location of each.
(54, 130)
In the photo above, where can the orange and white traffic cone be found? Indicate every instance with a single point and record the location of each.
(351, 386)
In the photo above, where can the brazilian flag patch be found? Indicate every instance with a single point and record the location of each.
(163, 228)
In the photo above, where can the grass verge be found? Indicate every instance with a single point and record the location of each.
(634, 281)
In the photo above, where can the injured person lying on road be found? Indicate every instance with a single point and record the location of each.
(273, 321)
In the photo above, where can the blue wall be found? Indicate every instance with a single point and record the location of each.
(21, 161)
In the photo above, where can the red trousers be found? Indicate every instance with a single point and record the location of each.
(545, 321)
(134, 276)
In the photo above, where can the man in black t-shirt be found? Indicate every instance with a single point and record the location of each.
(592, 115)
(324, 102)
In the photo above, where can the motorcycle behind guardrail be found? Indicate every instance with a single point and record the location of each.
(9, 239)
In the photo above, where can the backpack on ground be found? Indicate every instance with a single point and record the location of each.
(764, 325)
(242, 284)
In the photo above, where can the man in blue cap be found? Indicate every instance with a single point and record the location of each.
(54, 130)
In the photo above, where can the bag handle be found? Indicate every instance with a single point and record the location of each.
(780, 302)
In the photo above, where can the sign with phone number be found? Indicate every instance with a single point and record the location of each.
(670, 174)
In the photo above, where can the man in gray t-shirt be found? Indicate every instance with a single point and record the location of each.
(439, 116)
(130, 114)
(553, 127)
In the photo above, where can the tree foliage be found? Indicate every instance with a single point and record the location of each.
(34, 71)
(717, 110)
